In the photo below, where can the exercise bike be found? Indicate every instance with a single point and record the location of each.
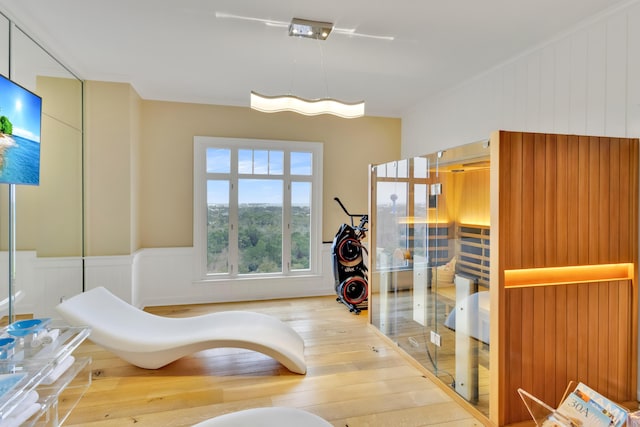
(349, 269)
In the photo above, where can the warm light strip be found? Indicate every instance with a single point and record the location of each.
(419, 220)
(274, 104)
(567, 275)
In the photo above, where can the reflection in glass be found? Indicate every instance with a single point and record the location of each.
(429, 264)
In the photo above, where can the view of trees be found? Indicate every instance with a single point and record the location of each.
(259, 238)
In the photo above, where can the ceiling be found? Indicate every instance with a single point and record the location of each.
(217, 51)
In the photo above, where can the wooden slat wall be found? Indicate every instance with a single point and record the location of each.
(567, 200)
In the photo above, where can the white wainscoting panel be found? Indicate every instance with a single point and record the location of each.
(56, 280)
(585, 81)
(41, 282)
(112, 272)
(164, 276)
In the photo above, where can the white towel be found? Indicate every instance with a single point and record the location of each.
(23, 411)
(45, 337)
(18, 419)
(59, 370)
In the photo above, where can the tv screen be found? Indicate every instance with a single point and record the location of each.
(20, 121)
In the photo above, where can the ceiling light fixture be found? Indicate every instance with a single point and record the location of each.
(350, 32)
(309, 107)
(310, 29)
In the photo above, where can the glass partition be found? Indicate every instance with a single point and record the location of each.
(430, 263)
(48, 230)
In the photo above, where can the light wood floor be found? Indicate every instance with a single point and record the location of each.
(355, 377)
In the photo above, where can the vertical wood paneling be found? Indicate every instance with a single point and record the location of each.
(515, 353)
(615, 370)
(550, 200)
(573, 186)
(527, 233)
(539, 190)
(590, 316)
(614, 197)
(583, 200)
(624, 202)
(574, 323)
(562, 190)
(562, 341)
(516, 203)
(547, 297)
(603, 201)
(603, 364)
(573, 194)
(592, 214)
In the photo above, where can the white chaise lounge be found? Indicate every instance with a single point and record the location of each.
(150, 341)
(266, 417)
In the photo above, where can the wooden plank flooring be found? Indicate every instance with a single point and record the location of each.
(355, 377)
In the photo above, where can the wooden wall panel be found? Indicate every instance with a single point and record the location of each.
(567, 200)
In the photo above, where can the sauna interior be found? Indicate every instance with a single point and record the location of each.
(511, 262)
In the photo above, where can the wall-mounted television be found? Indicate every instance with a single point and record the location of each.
(20, 122)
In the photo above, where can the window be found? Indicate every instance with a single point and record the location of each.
(257, 207)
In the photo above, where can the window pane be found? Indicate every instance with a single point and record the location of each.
(245, 161)
(217, 226)
(260, 226)
(276, 162)
(301, 163)
(391, 209)
(403, 169)
(420, 215)
(419, 167)
(218, 160)
(260, 162)
(300, 225)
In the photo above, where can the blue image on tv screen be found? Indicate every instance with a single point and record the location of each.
(20, 121)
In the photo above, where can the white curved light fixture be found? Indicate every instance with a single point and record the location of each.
(308, 107)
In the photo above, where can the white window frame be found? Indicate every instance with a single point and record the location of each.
(200, 177)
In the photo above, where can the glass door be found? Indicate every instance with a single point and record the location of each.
(429, 263)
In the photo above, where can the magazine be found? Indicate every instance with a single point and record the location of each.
(589, 408)
(584, 411)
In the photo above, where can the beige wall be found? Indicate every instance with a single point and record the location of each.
(139, 191)
(111, 123)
